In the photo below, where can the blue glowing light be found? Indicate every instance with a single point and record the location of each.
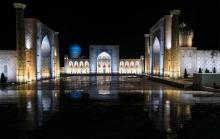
(75, 51)
(75, 95)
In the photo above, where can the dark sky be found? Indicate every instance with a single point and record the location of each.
(112, 22)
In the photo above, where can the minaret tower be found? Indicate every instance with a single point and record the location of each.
(147, 53)
(20, 43)
(175, 52)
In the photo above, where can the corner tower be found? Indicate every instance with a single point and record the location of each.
(20, 42)
(175, 50)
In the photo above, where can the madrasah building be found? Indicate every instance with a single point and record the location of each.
(103, 59)
(37, 52)
(168, 52)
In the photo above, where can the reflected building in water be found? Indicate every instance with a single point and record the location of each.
(170, 109)
(30, 108)
(95, 87)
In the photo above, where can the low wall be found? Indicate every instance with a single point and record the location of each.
(8, 64)
(172, 82)
(206, 79)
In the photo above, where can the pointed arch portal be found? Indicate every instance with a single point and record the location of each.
(104, 63)
(156, 56)
(45, 58)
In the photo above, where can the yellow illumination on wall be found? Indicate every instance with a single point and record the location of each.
(190, 41)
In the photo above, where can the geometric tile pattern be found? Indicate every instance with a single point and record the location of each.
(193, 59)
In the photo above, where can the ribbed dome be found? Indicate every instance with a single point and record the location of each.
(185, 30)
(185, 35)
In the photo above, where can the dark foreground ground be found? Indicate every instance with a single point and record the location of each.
(107, 107)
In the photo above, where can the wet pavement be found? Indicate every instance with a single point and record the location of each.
(109, 107)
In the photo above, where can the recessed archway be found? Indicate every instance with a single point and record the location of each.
(104, 63)
(45, 58)
(156, 56)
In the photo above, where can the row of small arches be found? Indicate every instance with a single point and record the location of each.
(79, 64)
(129, 64)
(122, 63)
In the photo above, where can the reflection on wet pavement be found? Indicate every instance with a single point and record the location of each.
(107, 107)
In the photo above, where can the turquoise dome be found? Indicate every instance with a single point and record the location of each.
(75, 51)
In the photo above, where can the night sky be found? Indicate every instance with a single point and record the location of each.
(112, 22)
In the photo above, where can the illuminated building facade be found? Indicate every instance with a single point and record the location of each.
(169, 50)
(37, 52)
(103, 59)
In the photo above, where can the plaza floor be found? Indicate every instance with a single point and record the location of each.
(109, 107)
